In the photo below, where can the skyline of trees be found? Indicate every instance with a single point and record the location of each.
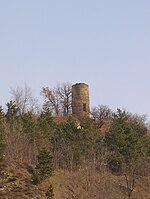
(58, 100)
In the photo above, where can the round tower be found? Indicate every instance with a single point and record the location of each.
(80, 100)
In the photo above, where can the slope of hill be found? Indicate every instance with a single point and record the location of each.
(16, 184)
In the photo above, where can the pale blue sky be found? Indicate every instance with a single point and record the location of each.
(104, 43)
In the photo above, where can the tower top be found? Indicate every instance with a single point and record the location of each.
(80, 83)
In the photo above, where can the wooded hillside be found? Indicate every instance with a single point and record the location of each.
(106, 156)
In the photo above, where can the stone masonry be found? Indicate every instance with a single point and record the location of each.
(80, 100)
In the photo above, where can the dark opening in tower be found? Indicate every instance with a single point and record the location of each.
(84, 107)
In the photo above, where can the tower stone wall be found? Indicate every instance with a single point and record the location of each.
(80, 100)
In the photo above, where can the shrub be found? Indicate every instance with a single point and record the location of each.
(50, 193)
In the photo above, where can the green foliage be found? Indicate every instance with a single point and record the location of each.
(44, 167)
(50, 193)
(2, 115)
(46, 115)
(45, 121)
(115, 162)
(27, 123)
(2, 134)
(35, 178)
(12, 111)
(74, 145)
(127, 140)
(2, 148)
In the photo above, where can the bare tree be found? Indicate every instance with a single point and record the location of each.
(58, 98)
(101, 115)
(24, 99)
(65, 92)
(52, 100)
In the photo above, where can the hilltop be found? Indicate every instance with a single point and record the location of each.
(89, 158)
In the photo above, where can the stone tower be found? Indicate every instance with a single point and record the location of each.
(80, 100)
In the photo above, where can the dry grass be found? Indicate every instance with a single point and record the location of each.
(16, 184)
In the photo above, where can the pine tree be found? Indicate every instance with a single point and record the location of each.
(2, 134)
(44, 165)
(50, 193)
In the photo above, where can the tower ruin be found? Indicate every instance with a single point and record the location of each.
(80, 100)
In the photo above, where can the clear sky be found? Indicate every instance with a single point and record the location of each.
(104, 43)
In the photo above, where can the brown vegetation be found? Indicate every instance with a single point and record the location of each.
(106, 156)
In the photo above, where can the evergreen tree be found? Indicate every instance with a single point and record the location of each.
(45, 122)
(50, 193)
(129, 145)
(127, 140)
(2, 134)
(12, 111)
(44, 165)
